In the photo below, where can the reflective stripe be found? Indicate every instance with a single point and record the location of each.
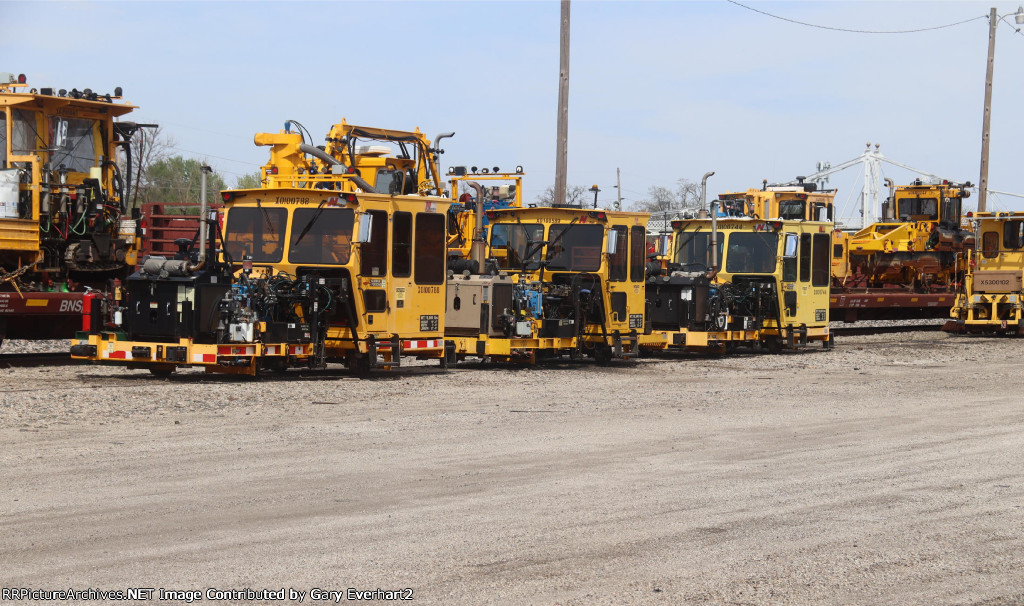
(204, 358)
(426, 344)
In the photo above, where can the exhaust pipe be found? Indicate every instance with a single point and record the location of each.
(203, 226)
(316, 152)
(714, 223)
(476, 251)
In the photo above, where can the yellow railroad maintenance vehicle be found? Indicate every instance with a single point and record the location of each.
(560, 281)
(476, 191)
(65, 222)
(741, 281)
(800, 202)
(340, 256)
(919, 245)
(992, 297)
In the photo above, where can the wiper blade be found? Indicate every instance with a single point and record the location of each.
(312, 220)
(266, 217)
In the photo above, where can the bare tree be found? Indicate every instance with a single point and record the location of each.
(574, 195)
(150, 146)
(686, 195)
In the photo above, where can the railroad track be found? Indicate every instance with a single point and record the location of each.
(870, 328)
(59, 358)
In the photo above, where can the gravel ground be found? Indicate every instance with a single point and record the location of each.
(888, 470)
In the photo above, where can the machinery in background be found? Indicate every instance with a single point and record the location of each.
(910, 264)
(990, 299)
(65, 224)
(476, 191)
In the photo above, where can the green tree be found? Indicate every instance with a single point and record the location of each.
(250, 181)
(176, 180)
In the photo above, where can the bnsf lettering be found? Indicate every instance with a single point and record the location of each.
(72, 306)
(426, 290)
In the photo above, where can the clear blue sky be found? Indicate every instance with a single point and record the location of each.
(662, 90)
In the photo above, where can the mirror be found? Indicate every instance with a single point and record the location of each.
(791, 244)
(365, 228)
(662, 245)
(611, 244)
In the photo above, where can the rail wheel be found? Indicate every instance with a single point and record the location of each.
(162, 371)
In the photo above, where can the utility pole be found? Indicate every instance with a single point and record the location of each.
(618, 189)
(993, 20)
(562, 151)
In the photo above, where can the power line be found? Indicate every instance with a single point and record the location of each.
(857, 31)
(1015, 29)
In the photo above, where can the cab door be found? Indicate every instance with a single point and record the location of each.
(419, 308)
(618, 274)
(373, 272)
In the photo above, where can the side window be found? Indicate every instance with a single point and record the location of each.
(401, 245)
(805, 257)
(430, 248)
(374, 254)
(637, 242)
(1013, 234)
(617, 261)
(789, 258)
(821, 265)
(990, 244)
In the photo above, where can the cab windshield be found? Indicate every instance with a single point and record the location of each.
(791, 210)
(511, 242)
(694, 250)
(575, 247)
(752, 252)
(323, 236)
(919, 209)
(77, 149)
(255, 232)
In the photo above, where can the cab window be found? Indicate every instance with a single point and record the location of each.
(429, 258)
(693, 250)
(990, 244)
(1013, 234)
(575, 247)
(751, 252)
(511, 242)
(805, 257)
(637, 242)
(617, 261)
(822, 211)
(255, 232)
(792, 210)
(918, 209)
(78, 152)
(373, 255)
(821, 265)
(321, 236)
(401, 245)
